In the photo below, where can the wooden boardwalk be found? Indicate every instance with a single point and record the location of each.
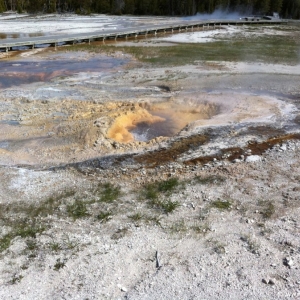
(56, 40)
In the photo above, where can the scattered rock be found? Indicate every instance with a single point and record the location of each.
(287, 261)
(268, 281)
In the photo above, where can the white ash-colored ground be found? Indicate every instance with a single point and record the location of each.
(204, 252)
(249, 249)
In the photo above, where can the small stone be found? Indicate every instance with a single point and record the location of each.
(236, 160)
(268, 281)
(123, 289)
(271, 282)
(253, 158)
(287, 261)
(283, 147)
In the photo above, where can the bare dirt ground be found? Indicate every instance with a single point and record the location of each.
(128, 181)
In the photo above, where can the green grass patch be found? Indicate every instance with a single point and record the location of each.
(169, 206)
(167, 186)
(22, 230)
(153, 190)
(59, 264)
(221, 205)
(150, 192)
(77, 210)
(158, 192)
(108, 192)
(5, 241)
(55, 247)
(136, 217)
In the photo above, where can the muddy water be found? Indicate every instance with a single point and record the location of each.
(24, 71)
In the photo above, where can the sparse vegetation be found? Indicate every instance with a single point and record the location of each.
(59, 264)
(252, 245)
(108, 192)
(5, 241)
(162, 189)
(31, 244)
(201, 228)
(120, 233)
(136, 217)
(55, 246)
(168, 206)
(178, 227)
(153, 219)
(22, 230)
(167, 186)
(104, 216)
(212, 179)
(221, 205)
(150, 192)
(219, 248)
(16, 279)
(204, 212)
(267, 209)
(77, 210)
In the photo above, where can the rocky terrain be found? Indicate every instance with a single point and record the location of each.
(127, 180)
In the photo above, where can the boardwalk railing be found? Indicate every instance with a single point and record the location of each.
(33, 42)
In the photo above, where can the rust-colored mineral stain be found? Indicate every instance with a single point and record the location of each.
(236, 152)
(160, 119)
(120, 129)
(165, 155)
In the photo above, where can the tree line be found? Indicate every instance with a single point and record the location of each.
(285, 8)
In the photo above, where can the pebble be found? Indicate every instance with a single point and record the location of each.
(268, 281)
(287, 261)
(252, 158)
(283, 147)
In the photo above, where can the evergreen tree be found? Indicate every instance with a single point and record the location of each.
(286, 8)
(2, 6)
